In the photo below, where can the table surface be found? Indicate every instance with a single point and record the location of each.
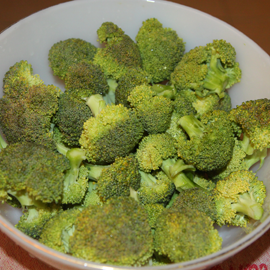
(250, 17)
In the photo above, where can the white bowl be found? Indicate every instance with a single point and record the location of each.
(31, 38)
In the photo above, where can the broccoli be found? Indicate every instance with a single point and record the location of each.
(70, 117)
(184, 234)
(239, 193)
(114, 132)
(161, 49)
(57, 231)
(253, 117)
(153, 149)
(207, 69)
(85, 79)
(34, 175)
(91, 196)
(133, 77)
(118, 178)
(3, 143)
(210, 144)
(26, 112)
(119, 54)
(67, 52)
(153, 111)
(154, 189)
(19, 78)
(115, 233)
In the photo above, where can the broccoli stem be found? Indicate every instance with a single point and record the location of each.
(110, 96)
(3, 143)
(246, 145)
(248, 206)
(96, 104)
(216, 79)
(147, 179)
(94, 171)
(257, 156)
(192, 126)
(167, 91)
(75, 157)
(174, 170)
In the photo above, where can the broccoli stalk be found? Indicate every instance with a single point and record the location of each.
(192, 126)
(3, 143)
(174, 170)
(216, 79)
(248, 206)
(96, 104)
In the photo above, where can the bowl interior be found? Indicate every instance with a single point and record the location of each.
(31, 39)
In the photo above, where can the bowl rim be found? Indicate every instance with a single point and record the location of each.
(30, 244)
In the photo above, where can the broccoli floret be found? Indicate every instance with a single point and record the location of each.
(91, 196)
(153, 149)
(33, 172)
(28, 116)
(70, 117)
(185, 234)
(119, 53)
(253, 117)
(118, 178)
(114, 132)
(161, 49)
(58, 229)
(239, 193)
(210, 144)
(133, 77)
(115, 233)
(19, 78)
(67, 52)
(153, 111)
(85, 79)
(35, 217)
(208, 69)
(154, 189)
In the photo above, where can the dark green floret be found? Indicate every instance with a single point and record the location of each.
(67, 52)
(119, 234)
(153, 111)
(114, 132)
(161, 49)
(119, 53)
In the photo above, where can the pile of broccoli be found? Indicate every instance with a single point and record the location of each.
(141, 155)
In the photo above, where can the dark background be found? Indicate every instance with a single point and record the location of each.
(250, 17)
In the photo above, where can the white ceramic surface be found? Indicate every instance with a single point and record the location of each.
(31, 38)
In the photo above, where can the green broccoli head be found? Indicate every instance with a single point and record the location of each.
(210, 144)
(153, 111)
(29, 116)
(57, 231)
(34, 218)
(185, 234)
(133, 77)
(253, 117)
(153, 210)
(154, 149)
(70, 117)
(85, 79)
(119, 54)
(240, 194)
(91, 196)
(33, 173)
(118, 178)
(67, 52)
(114, 132)
(208, 69)
(161, 49)
(121, 220)
(19, 78)
(155, 188)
